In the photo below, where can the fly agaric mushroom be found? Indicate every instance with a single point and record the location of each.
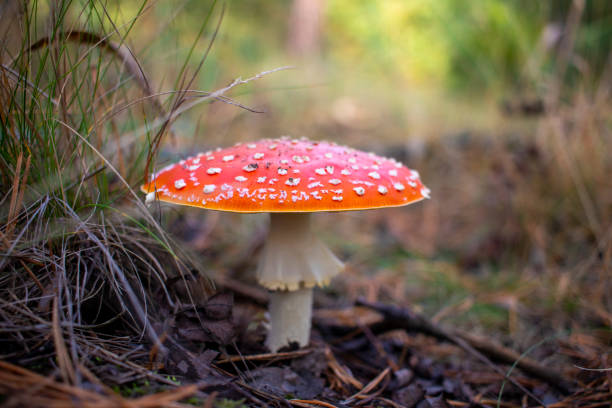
(289, 179)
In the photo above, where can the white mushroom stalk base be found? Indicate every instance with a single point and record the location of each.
(290, 316)
(292, 262)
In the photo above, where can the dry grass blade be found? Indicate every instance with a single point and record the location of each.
(19, 186)
(309, 403)
(14, 194)
(121, 51)
(31, 274)
(340, 371)
(265, 356)
(369, 386)
(23, 387)
(483, 402)
(61, 353)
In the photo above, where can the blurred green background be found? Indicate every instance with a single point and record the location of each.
(393, 69)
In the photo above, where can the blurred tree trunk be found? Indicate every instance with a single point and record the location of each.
(305, 28)
(11, 12)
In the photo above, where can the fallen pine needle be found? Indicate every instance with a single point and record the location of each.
(23, 387)
(370, 386)
(264, 356)
(312, 402)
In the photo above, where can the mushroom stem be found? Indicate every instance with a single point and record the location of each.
(290, 315)
(292, 262)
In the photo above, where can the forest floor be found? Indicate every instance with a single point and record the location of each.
(406, 325)
(363, 353)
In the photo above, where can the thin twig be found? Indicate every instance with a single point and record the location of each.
(265, 356)
(185, 107)
(403, 318)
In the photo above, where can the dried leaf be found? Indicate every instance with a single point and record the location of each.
(219, 306)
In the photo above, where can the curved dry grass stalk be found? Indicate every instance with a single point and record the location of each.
(119, 50)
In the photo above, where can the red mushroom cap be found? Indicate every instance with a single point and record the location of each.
(282, 175)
